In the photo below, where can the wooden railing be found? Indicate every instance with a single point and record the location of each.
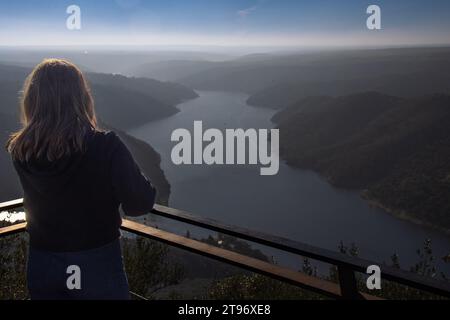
(346, 266)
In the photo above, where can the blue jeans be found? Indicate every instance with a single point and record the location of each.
(51, 275)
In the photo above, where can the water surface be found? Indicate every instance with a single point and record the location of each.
(297, 204)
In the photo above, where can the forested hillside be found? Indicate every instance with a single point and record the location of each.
(397, 149)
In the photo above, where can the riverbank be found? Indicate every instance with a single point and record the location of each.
(402, 214)
(376, 203)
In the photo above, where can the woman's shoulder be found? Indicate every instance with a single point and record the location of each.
(105, 135)
(105, 140)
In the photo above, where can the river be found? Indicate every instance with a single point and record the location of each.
(296, 204)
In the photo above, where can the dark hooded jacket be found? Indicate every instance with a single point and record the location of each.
(73, 204)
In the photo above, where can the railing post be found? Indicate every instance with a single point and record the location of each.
(347, 281)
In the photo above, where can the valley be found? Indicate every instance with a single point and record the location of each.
(362, 133)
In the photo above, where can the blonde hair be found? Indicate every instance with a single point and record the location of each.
(57, 111)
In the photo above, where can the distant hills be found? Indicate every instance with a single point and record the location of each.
(397, 149)
(412, 84)
(130, 61)
(121, 103)
(168, 93)
(280, 79)
(172, 70)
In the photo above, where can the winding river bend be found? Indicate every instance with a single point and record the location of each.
(297, 204)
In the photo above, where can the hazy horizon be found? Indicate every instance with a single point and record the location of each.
(226, 24)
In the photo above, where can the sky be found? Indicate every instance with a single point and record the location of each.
(278, 23)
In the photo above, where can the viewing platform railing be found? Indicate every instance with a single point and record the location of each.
(347, 266)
